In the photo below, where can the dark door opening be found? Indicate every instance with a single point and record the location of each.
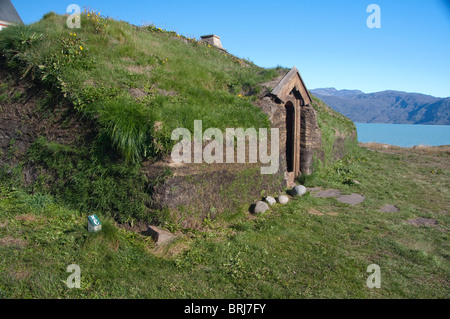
(290, 125)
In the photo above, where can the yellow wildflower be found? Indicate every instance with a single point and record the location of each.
(81, 48)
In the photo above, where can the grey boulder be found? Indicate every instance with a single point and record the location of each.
(270, 200)
(298, 190)
(260, 207)
(283, 199)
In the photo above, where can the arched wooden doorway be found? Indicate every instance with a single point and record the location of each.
(293, 98)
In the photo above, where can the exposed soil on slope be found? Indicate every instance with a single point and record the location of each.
(26, 114)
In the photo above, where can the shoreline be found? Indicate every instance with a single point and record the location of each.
(423, 148)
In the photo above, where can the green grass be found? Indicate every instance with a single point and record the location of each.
(94, 68)
(330, 123)
(285, 253)
(86, 181)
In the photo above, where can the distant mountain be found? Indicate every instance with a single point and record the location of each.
(334, 92)
(387, 107)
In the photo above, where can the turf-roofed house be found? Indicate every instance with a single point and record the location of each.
(8, 14)
(88, 116)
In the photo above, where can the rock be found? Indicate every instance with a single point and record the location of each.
(160, 236)
(283, 199)
(353, 199)
(298, 190)
(422, 222)
(260, 207)
(356, 182)
(270, 200)
(328, 193)
(313, 189)
(388, 208)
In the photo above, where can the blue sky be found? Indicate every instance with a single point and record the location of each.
(328, 40)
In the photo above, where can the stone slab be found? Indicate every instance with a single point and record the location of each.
(389, 208)
(328, 193)
(422, 222)
(160, 236)
(353, 199)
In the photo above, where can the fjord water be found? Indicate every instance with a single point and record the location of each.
(404, 135)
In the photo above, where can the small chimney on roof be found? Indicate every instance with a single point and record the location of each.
(213, 40)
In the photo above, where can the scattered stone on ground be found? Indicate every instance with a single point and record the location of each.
(420, 221)
(353, 199)
(313, 211)
(260, 207)
(356, 182)
(298, 190)
(160, 236)
(328, 193)
(283, 199)
(388, 208)
(270, 200)
(313, 189)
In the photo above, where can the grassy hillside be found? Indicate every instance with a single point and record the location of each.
(95, 96)
(310, 248)
(123, 81)
(126, 78)
(130, 87)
